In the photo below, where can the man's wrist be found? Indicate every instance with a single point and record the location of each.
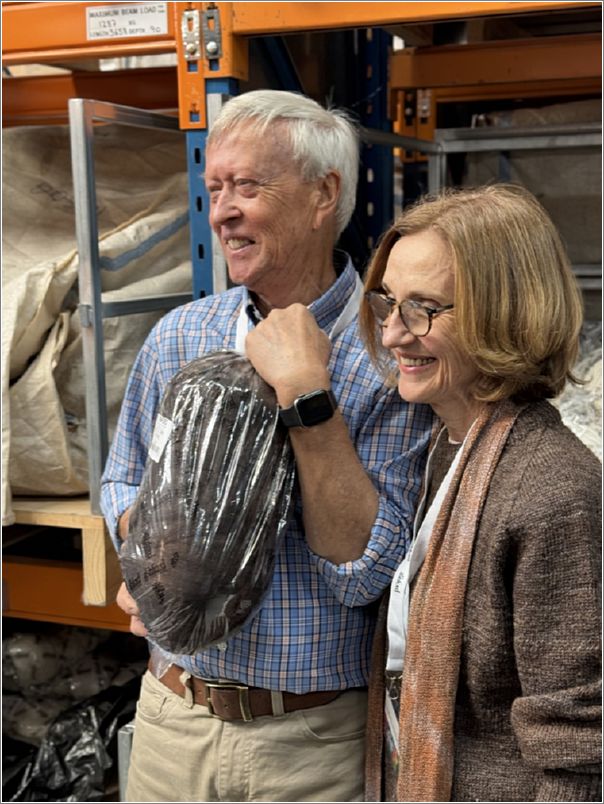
(310, 409)
(287, 394)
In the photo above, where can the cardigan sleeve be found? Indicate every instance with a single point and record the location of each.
(557, 616)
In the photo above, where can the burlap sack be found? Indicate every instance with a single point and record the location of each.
(142, 211)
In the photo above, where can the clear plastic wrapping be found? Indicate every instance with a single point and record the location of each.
(212, 506)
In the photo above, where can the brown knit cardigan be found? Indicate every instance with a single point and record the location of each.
(527, 721)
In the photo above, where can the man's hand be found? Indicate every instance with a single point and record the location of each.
(339, 501)
(290, 352)
(128, 604)
(123, 598)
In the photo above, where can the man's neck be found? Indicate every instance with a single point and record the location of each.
(304, 293)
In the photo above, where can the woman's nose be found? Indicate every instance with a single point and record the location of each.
(394, 332)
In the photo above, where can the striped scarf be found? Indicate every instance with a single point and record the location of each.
(432, 657)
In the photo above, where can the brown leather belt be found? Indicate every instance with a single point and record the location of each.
(236, 701)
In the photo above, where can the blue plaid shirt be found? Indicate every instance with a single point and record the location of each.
(315, 627)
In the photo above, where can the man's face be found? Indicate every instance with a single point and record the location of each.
(262, 211)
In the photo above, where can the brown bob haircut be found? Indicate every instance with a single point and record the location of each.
(518, 308)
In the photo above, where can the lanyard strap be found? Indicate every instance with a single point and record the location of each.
(398, 606)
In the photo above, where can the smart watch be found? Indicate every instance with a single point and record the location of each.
(309, 409)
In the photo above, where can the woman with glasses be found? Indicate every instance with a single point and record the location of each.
(485, 678)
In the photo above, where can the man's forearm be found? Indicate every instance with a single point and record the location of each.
(339, 501)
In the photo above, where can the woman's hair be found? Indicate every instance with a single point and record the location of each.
(518, 308)
(321, 139)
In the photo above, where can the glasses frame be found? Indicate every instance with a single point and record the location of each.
(431, 312)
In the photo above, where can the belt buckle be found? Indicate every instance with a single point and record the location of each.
(244, 699)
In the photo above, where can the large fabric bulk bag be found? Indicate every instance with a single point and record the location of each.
(212, 507)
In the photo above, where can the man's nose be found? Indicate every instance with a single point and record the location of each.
(223, 208)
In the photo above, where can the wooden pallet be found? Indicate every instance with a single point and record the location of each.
(64, 591)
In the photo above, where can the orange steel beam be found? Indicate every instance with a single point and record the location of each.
(43, 99)
(55, 31)
(280, 18)
(527, 89)
(550, 58)
(192, 111)
(51, 32)
(51, 591)
(233, 62)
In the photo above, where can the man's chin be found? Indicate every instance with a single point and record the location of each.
(238, 275)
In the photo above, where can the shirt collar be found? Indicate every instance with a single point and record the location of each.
(327, 307)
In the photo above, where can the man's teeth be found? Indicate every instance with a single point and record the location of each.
(416, 361)
(238, 242)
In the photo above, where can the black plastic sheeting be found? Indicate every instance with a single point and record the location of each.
(79, 748)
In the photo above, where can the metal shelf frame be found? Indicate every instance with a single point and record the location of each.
(82, 116)
(503, 141)
(481, 140)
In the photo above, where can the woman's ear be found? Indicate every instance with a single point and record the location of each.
(328, 193)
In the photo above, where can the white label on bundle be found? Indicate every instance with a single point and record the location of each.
(121, 21)
(161, 434)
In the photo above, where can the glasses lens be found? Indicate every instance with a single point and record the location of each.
(416, 319)
(379, 306)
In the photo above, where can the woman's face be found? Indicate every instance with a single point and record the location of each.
(434, 369)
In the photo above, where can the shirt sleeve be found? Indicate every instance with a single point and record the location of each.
(128, 453)
(392, 443)
(557, 616)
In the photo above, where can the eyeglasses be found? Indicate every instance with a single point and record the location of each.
(416, 317)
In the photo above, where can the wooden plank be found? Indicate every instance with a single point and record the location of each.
(101, 574)
(62, 512)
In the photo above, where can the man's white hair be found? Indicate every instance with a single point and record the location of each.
(321, 139)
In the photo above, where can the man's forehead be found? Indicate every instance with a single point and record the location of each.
(252, 130)
(245, 148)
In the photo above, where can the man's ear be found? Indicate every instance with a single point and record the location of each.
(328, 193)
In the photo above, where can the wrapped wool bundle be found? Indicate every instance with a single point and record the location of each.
(212, 506)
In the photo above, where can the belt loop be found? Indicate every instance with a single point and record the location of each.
(184, 679)
(277, 703)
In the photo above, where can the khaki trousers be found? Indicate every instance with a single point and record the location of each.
(181, 753)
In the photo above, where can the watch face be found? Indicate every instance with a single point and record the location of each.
(314, 408)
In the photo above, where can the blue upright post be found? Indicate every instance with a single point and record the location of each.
(376, 187)
(200, 231)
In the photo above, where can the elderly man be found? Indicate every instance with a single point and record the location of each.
(281, 174)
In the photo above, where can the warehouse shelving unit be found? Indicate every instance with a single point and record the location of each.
(211, 45)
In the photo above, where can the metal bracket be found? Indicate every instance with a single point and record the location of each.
(86, 317)
(189, 27)
(212, 37)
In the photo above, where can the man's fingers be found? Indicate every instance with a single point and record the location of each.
(126, 602)
(137, 627)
